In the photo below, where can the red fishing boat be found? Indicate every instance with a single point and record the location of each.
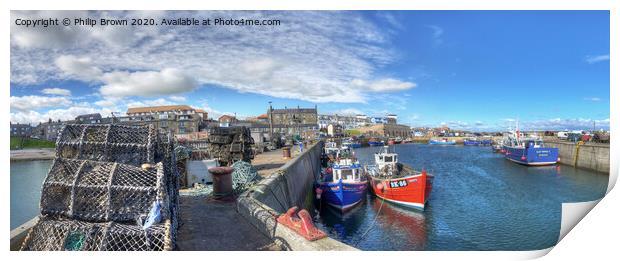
(398, 183)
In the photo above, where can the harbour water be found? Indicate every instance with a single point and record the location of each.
(26, 180)
(480, 201)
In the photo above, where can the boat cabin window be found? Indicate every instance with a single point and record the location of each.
(388, 159)
(347, 174)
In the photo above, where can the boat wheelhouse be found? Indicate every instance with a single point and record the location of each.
(344, 185)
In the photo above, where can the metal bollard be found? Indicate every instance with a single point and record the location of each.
(286, 152)
(222, 181)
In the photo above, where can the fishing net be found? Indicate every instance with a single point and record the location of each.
(244, 176)
(110, 188)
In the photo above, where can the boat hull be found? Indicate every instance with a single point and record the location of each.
(410, 191)
(343, 195)
(486, 143)
(375, 143)
(471, 143)
(532, 156)
(437, 142)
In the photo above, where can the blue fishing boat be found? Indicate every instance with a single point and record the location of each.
(529, 151)
(486, 142)
(471, 142)
(442, 142)
(343, 185)
(352, 145)
(374, 142)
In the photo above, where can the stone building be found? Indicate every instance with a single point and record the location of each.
(177, 119)
(289, 121)
(49, 130)
(387, 130)
(22, 130)
(93, 118)
(346, 121)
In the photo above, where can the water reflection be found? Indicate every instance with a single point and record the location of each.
(480, 201)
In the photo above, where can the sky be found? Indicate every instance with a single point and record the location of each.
(469, 70)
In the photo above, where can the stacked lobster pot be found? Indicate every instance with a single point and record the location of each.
(230, 144)
(110, 187)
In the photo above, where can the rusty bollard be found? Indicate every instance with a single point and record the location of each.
(286, 152)
(222, 181)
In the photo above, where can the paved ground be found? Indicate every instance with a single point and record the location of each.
(32, 154)
(207, 224)
(268, 162)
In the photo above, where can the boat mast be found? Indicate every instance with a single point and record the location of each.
(517, 127)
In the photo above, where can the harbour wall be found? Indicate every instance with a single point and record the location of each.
(289, 186)
(587, 156)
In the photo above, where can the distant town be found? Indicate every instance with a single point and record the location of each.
(187, 123)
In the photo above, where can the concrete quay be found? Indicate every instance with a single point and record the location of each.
(289, 186)
(592, 156)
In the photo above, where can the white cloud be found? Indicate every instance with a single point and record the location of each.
(149, 83)
(65, 114)
(107, 102)
(78, 67)
(31, 102)
(597, 58)
(564, 124)
(56, 91)
(593, 99)
(383, 85)
(312, 56)
(178, 98)
(213, 113)
(348, 112)
(149, 103)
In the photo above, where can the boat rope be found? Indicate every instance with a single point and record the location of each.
(371, 224)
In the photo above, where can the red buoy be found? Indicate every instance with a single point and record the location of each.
(523, 158)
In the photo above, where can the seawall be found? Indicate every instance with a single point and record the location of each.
(587, 156)
(289, 186)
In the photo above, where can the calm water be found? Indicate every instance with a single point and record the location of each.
(26, 180)
(480, 201)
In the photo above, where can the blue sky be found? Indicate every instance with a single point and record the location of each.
(474, 70)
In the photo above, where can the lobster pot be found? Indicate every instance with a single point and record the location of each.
(98, 191)
(102, 191)
(230, 144)
(51, 234)
(106, 142)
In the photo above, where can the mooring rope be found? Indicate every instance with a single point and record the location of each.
(371, 224)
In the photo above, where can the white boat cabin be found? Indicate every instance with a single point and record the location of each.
(348, 173)
(385, 158)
